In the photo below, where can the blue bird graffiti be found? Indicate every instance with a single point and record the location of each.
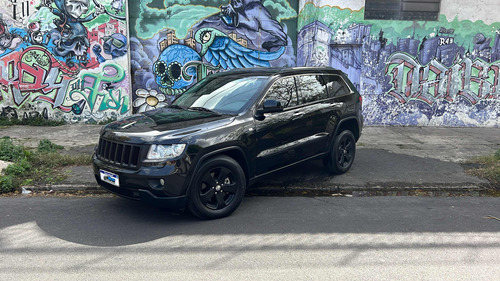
(222, 51)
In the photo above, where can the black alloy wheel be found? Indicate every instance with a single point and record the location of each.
(341, 156)
(218, 188)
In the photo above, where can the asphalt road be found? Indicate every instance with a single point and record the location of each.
(267, 238)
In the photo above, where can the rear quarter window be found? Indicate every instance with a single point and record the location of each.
(336, 86)
(310, 88)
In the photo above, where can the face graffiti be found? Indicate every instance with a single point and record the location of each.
(173, 71)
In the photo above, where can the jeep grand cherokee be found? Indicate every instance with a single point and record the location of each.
(204, 149)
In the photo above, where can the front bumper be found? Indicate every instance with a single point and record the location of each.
(144, 184)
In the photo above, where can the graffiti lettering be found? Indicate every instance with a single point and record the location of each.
(473, 80)
(38, 76)
(446, 41)
(98, 93)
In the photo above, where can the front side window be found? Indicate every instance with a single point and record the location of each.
(225, 95)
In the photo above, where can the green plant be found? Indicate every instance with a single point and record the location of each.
(32, 121)
(43, 166)
(18, 168)
(9, 151)
(6, 184)
(488, 167)
(46, 145)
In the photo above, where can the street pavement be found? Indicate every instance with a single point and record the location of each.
(396, 159)
(267, 238)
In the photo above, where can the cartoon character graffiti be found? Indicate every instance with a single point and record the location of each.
(35, 34)
(8, 40)
(254, 17)
(175, 69)
(70, 35)
(114, 45)
(220, 50)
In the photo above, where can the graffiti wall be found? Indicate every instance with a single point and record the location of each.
(64, 60)
(86, 61)
(176, 42)
(434, 73)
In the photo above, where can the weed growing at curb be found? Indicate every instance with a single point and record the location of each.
(34, 121)
(42, 166)
(487, 167)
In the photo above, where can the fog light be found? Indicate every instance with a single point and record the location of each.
(157, 184)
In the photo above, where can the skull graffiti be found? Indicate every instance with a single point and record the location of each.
(174, 70)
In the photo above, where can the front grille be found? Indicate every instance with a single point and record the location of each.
(120, 154)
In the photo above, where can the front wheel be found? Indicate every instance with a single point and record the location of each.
(218, 188)
(341, 156)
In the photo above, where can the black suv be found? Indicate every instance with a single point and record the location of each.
(214, 140)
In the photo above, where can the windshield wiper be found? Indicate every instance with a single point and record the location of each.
(199, 108)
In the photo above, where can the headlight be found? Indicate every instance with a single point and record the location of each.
(158, 151)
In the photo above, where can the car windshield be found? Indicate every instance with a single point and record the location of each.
(224, 95)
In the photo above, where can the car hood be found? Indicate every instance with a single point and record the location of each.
(163, 122)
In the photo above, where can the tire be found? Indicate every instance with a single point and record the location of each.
(341, 156)
(217, 189)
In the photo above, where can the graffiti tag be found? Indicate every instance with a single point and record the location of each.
(98, 90)
(37, 75)
(473, 80)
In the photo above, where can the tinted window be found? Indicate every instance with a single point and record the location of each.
(336, 86)
(310, 88)
(283, 91)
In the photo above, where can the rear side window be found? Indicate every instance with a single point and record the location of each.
(310, 88)
(284, 91)
(336, 86)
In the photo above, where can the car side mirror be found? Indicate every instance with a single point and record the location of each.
(269, 106)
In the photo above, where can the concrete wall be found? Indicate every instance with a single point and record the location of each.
(437, 73)
(56, 63)
(64, 60)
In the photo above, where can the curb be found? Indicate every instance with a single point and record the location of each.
(346, 191)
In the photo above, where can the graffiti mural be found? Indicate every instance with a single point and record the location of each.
(64, 59)
(175, 43)
(442, 73)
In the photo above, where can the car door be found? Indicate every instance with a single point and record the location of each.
(298, 131)
(277, 132)
(318, 112)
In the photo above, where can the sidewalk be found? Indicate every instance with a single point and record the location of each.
(388, 158)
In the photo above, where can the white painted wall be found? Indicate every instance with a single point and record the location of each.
(352, 4)
(486, 10)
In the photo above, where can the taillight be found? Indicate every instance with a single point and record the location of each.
(361, 101)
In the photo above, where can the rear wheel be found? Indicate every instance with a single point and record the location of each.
(218, 188)
(341, 155)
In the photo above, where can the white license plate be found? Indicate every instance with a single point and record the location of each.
(110, 178)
